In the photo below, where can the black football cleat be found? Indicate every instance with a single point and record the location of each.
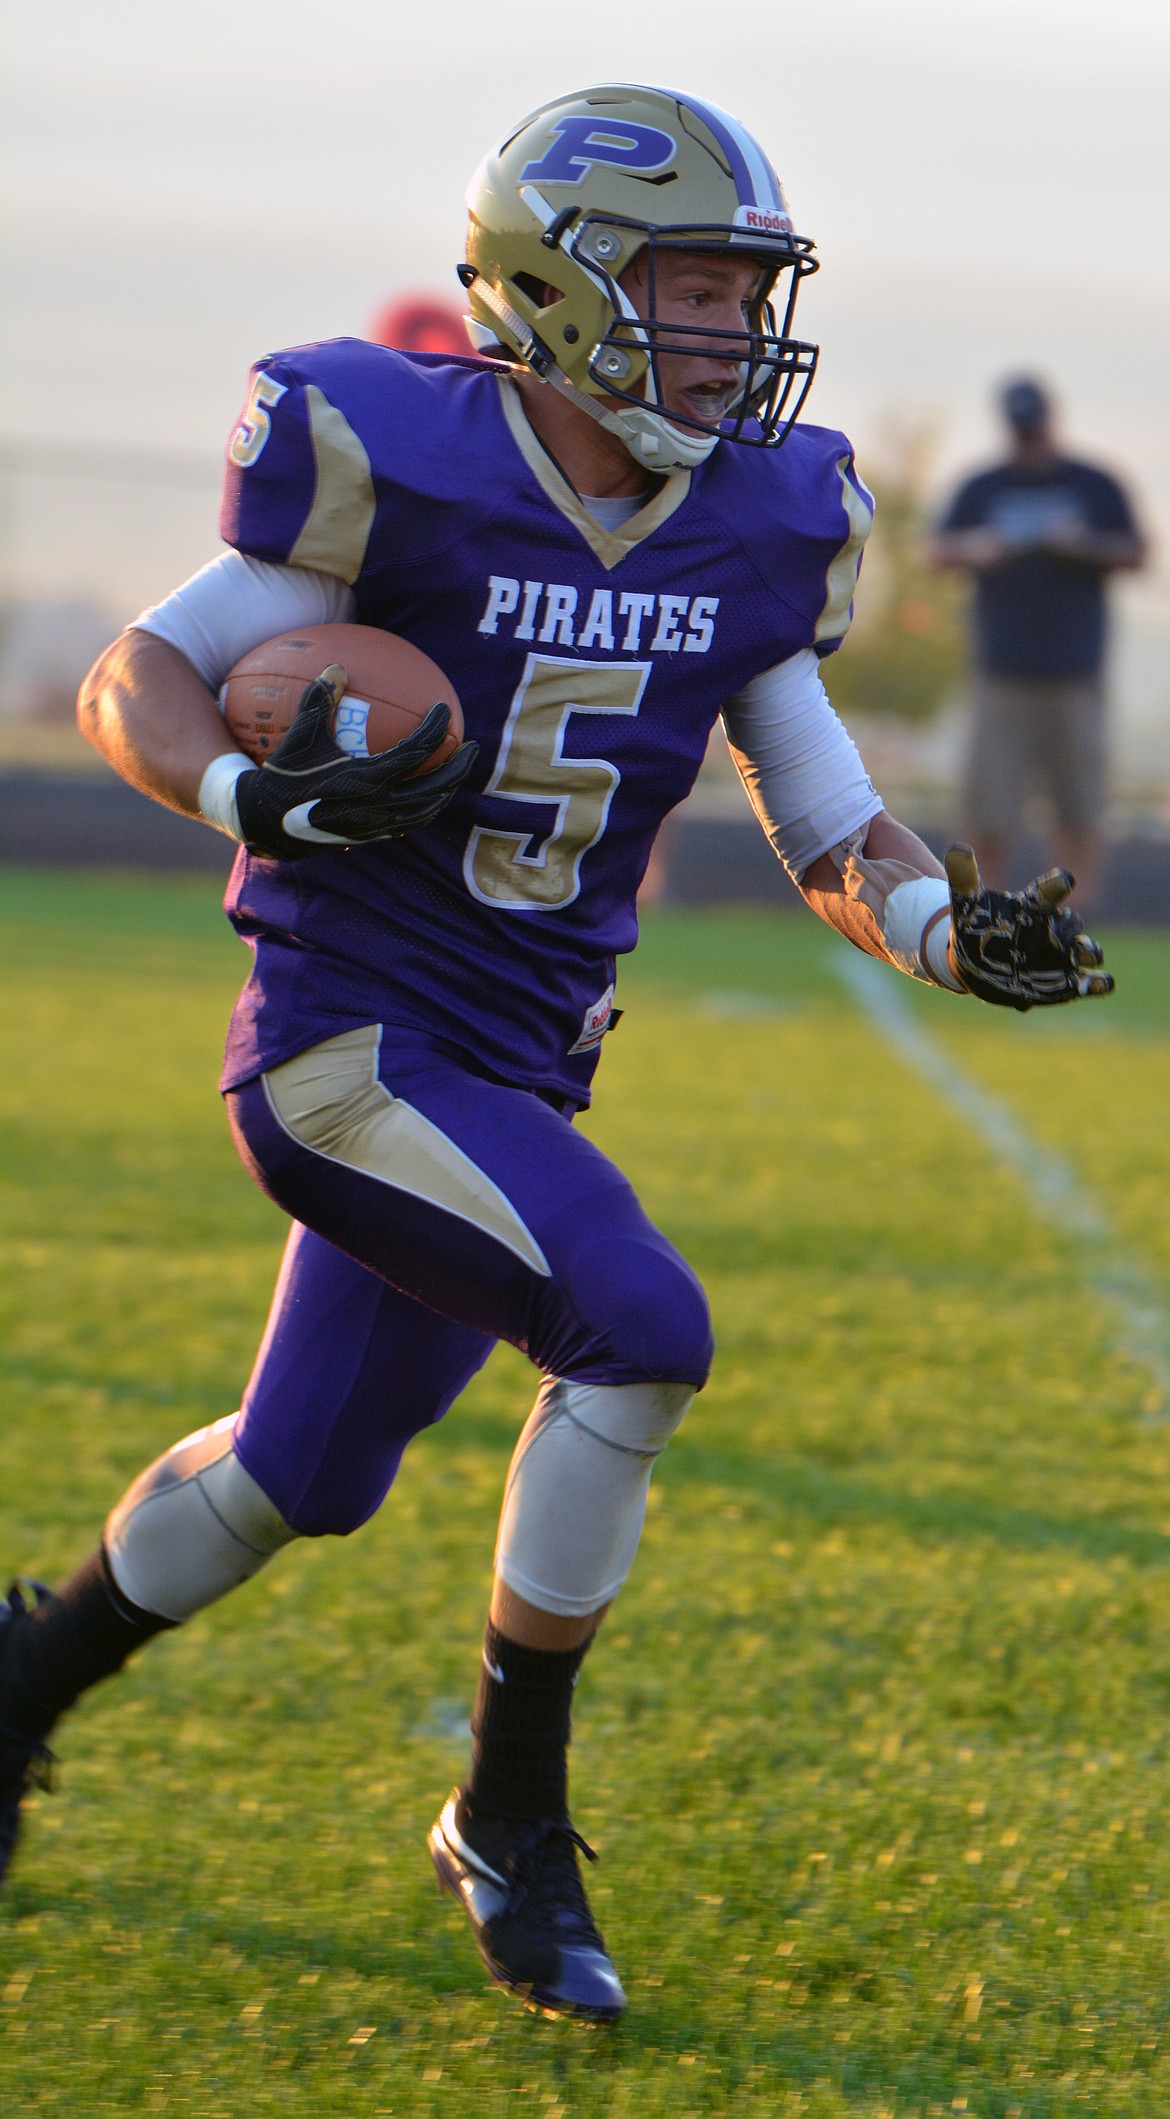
(25, 1761)
(519, 1885)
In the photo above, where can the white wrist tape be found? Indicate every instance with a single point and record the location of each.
(935, 941)
(217, 792)
(916, 928)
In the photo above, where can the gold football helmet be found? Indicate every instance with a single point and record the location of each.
(559, 212)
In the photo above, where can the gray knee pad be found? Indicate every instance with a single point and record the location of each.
(192, 1526)
(577, 1486)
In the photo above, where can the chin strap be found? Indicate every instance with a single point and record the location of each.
(653, 442)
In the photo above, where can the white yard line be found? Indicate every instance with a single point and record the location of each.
(1142, 1325)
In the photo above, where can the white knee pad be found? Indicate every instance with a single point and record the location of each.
(577, 1486)
(192, 1526)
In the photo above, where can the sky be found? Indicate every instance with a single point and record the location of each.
(187, 187)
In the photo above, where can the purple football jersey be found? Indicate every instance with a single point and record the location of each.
(591, 666)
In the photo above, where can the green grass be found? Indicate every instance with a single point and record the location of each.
(875, 1746)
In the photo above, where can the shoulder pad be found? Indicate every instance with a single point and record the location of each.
(802, 514)
(299, 488)
(337, 437)
(853, 505)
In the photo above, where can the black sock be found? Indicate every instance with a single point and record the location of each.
(83, 1633)
(520, 1730)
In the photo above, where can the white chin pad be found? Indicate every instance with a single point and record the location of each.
(576, 1493)
(193, 1526)
(652, 439)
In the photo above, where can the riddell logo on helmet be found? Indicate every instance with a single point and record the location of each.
(766, 220)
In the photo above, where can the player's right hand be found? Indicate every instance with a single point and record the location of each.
(1020, 948)
(312, 794)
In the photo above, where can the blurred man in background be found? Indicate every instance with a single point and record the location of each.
(1038, 534)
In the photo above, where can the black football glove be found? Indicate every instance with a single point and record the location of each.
(311, 794)
(1020, 948)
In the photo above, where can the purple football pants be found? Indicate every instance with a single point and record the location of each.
(389, 1301)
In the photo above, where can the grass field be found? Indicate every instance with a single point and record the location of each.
(875, 1746)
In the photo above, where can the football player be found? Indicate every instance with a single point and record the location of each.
(591, 525)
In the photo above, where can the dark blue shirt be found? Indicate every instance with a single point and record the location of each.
(1040, 613)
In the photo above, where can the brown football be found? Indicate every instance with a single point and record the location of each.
(390, 686)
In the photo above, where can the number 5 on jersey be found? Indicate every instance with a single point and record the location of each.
(254, 426)
(516, 869)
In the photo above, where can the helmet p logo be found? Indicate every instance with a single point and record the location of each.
(583, 142)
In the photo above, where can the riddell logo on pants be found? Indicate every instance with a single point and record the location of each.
(596, 1023)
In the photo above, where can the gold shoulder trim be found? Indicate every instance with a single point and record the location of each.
(841, 579)
(337, 531)
(610, 546)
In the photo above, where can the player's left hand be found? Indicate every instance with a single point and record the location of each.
(1020, 948)
(313, 794)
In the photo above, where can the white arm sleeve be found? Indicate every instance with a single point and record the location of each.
(234, 603)
(801, 768)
